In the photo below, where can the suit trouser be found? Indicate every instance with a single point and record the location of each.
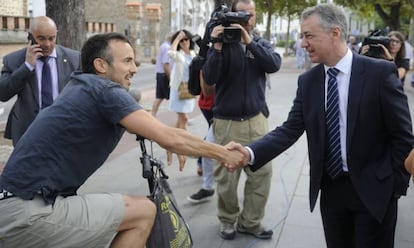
(348, 223)
(257, 185)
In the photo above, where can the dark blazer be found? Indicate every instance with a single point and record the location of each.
(379, 135)
(17, 79)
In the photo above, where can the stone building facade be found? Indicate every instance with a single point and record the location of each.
(13, 7)
(145, 22)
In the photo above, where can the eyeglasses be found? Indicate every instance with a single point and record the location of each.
(395, 41)
(185, 39)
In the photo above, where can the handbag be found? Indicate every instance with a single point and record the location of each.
(183, 92)
(169, 229)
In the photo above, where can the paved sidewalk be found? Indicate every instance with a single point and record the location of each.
(287, 211)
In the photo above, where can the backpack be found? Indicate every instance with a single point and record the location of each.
(196, 65)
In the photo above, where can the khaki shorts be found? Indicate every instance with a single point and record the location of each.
(89, 220)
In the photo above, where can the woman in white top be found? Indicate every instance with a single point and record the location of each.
(181, 53)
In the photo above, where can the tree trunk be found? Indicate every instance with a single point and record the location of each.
(287, 44)
(69, 16)
(268, 25)
(392, 20)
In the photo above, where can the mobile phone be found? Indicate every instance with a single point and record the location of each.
(31, 38)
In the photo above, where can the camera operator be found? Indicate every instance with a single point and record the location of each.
(394, 52)
(238, 70)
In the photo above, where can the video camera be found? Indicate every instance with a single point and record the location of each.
(220, 16)
(223, 16)
(373, 40)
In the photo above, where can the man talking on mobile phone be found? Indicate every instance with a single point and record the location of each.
(35, 74)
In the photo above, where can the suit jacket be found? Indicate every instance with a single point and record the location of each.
(17, 79)
(379, 135)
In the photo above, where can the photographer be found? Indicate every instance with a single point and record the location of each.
(394, 51)
(238, 72)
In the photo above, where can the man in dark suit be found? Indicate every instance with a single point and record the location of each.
(21, 75)
(359, 198)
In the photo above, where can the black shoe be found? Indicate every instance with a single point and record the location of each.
(259, 233)
(201, 195)
(227, 231)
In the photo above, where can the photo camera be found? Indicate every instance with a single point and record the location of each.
(373, 40)
(223, 16)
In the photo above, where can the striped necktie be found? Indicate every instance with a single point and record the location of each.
(334, 163)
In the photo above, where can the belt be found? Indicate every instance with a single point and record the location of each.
(241, 119)
(4, 194)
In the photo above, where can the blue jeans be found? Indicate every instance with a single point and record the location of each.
(207, 164)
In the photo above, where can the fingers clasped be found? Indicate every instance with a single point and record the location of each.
(239, 153)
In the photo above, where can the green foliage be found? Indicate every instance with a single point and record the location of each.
(392, 13)
(283, 7)
(286, 8)
(282, 43)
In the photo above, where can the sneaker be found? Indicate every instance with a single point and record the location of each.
(201, 195)
(227, 231)
(259, 233)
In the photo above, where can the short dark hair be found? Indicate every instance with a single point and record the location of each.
(235, 2)
(188, 35)
(97, 46)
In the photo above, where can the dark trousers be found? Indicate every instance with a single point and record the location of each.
(208, 115)
(347, 222)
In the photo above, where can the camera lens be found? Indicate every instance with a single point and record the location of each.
(231, 35)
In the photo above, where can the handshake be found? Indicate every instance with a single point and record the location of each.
(239, 156)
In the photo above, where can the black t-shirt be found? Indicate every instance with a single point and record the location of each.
(404, 63)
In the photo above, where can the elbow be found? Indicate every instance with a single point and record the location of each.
(274, 65)
(5, 98)
(278, 64)
(208, 91)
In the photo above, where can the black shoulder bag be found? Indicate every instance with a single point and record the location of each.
(169, 229)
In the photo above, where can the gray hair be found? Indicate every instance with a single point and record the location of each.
(330, 15)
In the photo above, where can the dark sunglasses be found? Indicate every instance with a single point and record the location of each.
(185, 39)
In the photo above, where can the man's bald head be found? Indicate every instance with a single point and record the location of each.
(44, 31)
(42, 22)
